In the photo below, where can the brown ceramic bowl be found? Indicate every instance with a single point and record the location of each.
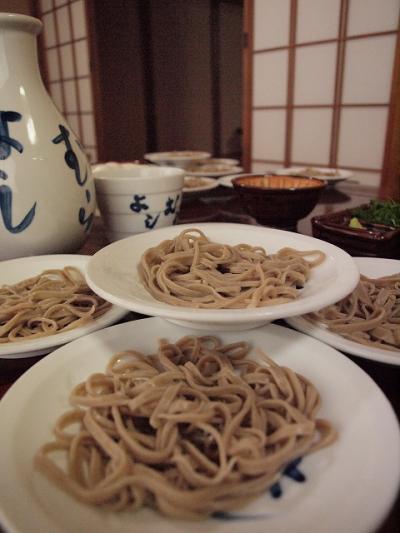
(278, 201)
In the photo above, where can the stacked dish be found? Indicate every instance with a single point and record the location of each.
(330, 175)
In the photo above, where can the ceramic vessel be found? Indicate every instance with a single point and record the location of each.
(137, 198)
(47, 196)
(278, 201)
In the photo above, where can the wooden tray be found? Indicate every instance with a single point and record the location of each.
(376, 240)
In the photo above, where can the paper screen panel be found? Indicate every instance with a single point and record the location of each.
(82, 58)
(271, 25)
(49, 29)
(85, 96)
(269, 134)
(53, 65)
(56, 94)
(317, 20)
(270, 78)
(311, 136)
(368, 69)
(71, 101)
(362, 137)
(315, 74)
(67, 61)
(78, 15)
(73, 121)
(371, 16)
(64, 30)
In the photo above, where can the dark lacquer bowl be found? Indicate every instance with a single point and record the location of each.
(278, 201)
(375, 240)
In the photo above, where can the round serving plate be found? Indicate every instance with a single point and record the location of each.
(373, 267)
(362, 465)
(113, 274)
(16, 270)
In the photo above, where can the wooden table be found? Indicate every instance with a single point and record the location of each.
(221, 204)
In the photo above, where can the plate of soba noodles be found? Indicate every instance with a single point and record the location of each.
(45, 302)
(218, 275)
(366, 322)
(151, 426)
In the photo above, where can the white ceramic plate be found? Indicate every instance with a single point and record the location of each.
(373, 267)
(328, 174)
(226, 181)
(112, 273)
(350, 485)
(176, 157)
(202, 184)
(25, 267)
(224, 170)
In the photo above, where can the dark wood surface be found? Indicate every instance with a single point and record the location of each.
(221, 204)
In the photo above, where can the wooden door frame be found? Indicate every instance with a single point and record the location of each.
(390, 181)
(247, 60)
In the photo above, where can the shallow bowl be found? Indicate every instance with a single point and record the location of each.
(135, 198)
(278, 201)
(177, 158)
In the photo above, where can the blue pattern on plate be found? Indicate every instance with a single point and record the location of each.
(275, 490)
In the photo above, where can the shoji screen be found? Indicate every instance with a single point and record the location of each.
(68, 66)
(321, 83)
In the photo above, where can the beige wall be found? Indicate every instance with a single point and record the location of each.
(182, 74)
(231, 90)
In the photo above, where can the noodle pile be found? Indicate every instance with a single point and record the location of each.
(191, 430)
(370, 315)
(52, 302)
(192, 271)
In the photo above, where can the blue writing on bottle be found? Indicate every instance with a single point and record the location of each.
(85, 220)
(70, 156)
(72, 162)
(7, 143)
(6, 211)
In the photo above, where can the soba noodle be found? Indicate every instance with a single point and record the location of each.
(370, 315)
(54, 301)
(192, 271)
(191, 430)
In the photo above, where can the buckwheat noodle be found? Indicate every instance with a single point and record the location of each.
(190, 430)
(192, 271)
(55, 301)
(370, 315)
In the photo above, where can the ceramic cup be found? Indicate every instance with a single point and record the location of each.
(134, 198)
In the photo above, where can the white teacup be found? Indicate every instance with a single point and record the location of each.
(135, 198)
